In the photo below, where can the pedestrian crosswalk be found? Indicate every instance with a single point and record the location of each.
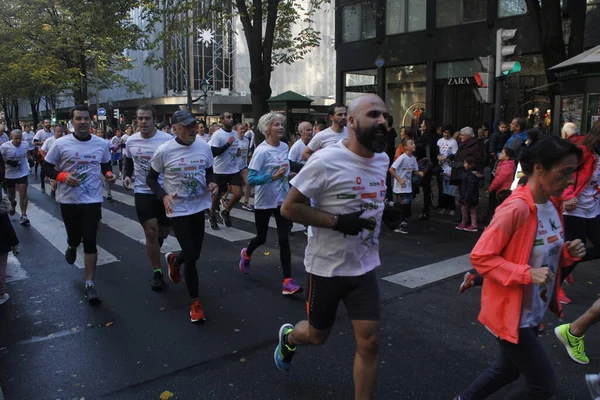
(14, 270)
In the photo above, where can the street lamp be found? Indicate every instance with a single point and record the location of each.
(204, 84)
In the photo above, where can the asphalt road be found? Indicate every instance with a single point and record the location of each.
(139, 344)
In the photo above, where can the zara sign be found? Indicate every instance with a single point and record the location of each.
(460, 81)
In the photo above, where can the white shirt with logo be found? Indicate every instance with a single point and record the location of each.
(225, 163)
(588, 205)
(115, 144)
(268, 159)
(296, 152)
(184, 169)
(141, 150)
(82, 159)
(205, 137)
(326, 137)
(447, 146)
(28, 137)
(546, 252)
(405, 166)
(48, 144)
(243, 147)
(19, 154)
(42, 135)
(3, 138)
(339, 181)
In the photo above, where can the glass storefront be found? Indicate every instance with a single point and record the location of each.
(593, 110)
(405, 93)
(357, 83)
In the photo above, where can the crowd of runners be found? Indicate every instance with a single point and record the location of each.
(342, 183)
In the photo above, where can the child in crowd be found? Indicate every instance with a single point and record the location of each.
(402, 170)
(505, 174)
(469, 196)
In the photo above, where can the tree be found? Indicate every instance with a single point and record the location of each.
(547, 17)
(84, 40)
(276, 31)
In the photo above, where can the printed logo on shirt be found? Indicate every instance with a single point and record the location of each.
(553, 251)
(358, 188)
(346, 196)
(538, 242)
(552, 239)
(542, 232)
(369, 206)
(358, 180)
(553, 226)
(175, 169)
(371, 195)
(382, 193)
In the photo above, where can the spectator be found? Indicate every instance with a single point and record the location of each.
(390, 148)
(505, 173)
(468, 146)
(426, 153)
(469, 196)
(519, 135)
(570, 132)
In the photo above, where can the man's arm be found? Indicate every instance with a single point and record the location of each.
(307, 153)
(295, 208)
(128, 169)
(152, 182)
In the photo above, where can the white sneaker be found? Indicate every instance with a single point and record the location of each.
(4, 298)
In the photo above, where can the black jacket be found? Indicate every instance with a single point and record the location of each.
(8, 237)
(469, 189)
(497, 141)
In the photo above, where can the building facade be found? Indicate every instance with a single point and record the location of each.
(420, 56)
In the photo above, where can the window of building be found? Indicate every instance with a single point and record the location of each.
(357, 83)
(405, 93)
(358, 21)
(405, 16)
(456, 12)
(510, 8)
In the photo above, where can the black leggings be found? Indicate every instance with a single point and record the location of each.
(81, 222)
(262, 217)
(189, 231)
(583, 229)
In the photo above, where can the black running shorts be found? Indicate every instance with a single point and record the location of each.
(11, 183)
(360, 295)
(228, 179)
(148, 206)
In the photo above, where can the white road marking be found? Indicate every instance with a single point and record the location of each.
(427, 274)
(14, 270)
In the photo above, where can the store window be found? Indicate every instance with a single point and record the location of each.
(511, 8)
(405, 93)
(456, 12)
(593, 110)
(358, 21)
(405, 16)
(357, 83)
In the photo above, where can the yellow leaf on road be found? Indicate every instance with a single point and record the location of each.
(166, 395)
(267, 253)
(109, 323)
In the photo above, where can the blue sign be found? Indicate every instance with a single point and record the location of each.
(101, 112)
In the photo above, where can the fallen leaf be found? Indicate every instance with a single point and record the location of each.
(162, 308)
(590, 283)
(242, 360)
(267, 253)
(166, 395)
(109, 323)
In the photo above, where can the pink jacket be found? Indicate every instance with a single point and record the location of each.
(501, 256)
(505, 175)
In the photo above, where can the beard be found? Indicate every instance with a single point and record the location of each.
(372, 138)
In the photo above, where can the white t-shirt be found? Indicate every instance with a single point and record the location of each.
(296, 152)
(250, 135)
(326, 138)
(141, 150)
(125, 138)
(28, 137)
(205, 137)
(82, 159)
(447, 146)
(19, 154)
(267, 160)
(546, 252)
(339, 181)
(184, 170)
(243, 147)
(3, 138)
(589, 198)
(404, 166)
(48, 144)
(225, 163)
(115, 144)
(42, 135)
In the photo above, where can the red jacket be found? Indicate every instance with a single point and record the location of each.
(582, 175)
(501, 256)
(505, 174)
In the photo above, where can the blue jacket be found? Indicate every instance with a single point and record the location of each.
(517, 141)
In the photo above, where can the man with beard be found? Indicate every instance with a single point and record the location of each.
(327, 137)
(346, 215)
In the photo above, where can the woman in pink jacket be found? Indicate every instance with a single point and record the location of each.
(520, 255)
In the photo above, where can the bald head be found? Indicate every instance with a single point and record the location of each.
(367, 122)
(359, 104)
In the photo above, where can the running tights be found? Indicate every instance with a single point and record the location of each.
(262, 217)
(81, 222)
(189, 231)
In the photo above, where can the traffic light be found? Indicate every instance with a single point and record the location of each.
(116, 113)
(485, 80)
(505, 49)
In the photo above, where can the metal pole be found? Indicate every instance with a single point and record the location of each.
(499, 99)
(188, 72)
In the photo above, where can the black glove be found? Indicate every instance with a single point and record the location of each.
(352, 224)
(12, 163)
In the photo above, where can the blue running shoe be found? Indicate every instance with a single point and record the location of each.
(283, 353)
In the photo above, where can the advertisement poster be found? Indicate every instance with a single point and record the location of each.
(572, 109)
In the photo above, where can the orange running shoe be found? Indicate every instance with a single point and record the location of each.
(173, 267)
(562, 297)
(197, 312)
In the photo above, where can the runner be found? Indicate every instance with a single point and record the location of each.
(269, 170)
(150, 211)
(3, 136)
(203, 132)
(346, 186)
(15, 157)
(106, 183)
(186, 164)
(305, 129)
(58, 133)
(116, 151)
(245, 144)
(124, 139)
(224, 149)
(78, 162)
(336, 132)
(28, 136)
(38, 140)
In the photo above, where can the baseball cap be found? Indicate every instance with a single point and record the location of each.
(183, 117)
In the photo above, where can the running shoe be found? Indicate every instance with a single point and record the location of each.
(109, 198)
(401, 229)
(467, 283)
(173, 267)
(197, 312)
(158, 281)
(290, 287)
(470, 228)
(244, 262)
(247, 207)
(573, 344)
(11, 210)
(225, 217)
(24, 220)
(53, 194)
(92, 295)
(443, 211)
(569, 279)
(4, 298)
(562, 297)
(71, 255)
(283, 353)
(213, 223)
(593, 383)
(461, 226)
